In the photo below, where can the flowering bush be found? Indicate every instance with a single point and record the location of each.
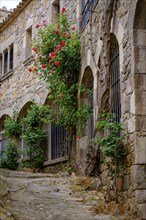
(57, 60)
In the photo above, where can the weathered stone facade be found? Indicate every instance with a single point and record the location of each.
(4, 13)
(127, 22)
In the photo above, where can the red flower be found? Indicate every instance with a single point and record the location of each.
(40, 57)
(51, 73)
(52, 55)
(33, 59)
(55, 68)
(64, 33)
(45, 25)
(34, 49)
(69, 36)
(44, 66)
(37, 26)
(35, 69)
(50, 62)
(63, 43)
(56, 32)
(58, 48)
(57, 63)
(30, 69)
(58, 26)
(44, 21)
(63, 10)
(78, 137)
(73, 28)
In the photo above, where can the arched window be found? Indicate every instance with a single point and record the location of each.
(114, 70)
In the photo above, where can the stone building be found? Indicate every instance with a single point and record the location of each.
(113, 38)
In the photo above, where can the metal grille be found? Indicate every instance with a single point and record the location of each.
(58, 143)
(115, 78)
(87, 10)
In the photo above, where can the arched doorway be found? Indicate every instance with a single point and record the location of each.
(87, 98)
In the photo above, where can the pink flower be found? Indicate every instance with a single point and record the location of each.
(44, 66)
(73, 28)
(33, 59)
(56, 32)
(63, 43)
(64, 33)
(30, 69)
(57, 63)
(37, 26)
(44, 21)
(45, 25)
(58, 47)
(63, 10)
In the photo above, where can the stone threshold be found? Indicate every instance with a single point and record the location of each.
(58, 160)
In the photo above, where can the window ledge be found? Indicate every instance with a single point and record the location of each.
(6, 75)
(58, 160)
(28, 61)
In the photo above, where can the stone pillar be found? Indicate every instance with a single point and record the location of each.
(8, 61)
(3, 61)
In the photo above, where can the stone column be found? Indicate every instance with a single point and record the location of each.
(8, 61)
(3, 61)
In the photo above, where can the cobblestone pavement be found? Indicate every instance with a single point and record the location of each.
(45, 197)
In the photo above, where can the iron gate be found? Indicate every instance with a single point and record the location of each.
(58, 142)
(115, 78)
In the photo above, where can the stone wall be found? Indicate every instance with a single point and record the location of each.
(118, 17)
(21, 86)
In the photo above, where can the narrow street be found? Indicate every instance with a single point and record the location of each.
(46, 197)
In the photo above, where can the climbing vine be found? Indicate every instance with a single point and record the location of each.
(34, 133)
(110, 141)
(57, 61)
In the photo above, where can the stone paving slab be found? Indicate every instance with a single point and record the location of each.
(45, 197)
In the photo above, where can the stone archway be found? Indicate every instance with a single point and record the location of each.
(87, 81)
(20, 141)
(85, 148)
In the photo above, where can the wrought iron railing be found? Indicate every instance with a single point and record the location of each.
(87, 10)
